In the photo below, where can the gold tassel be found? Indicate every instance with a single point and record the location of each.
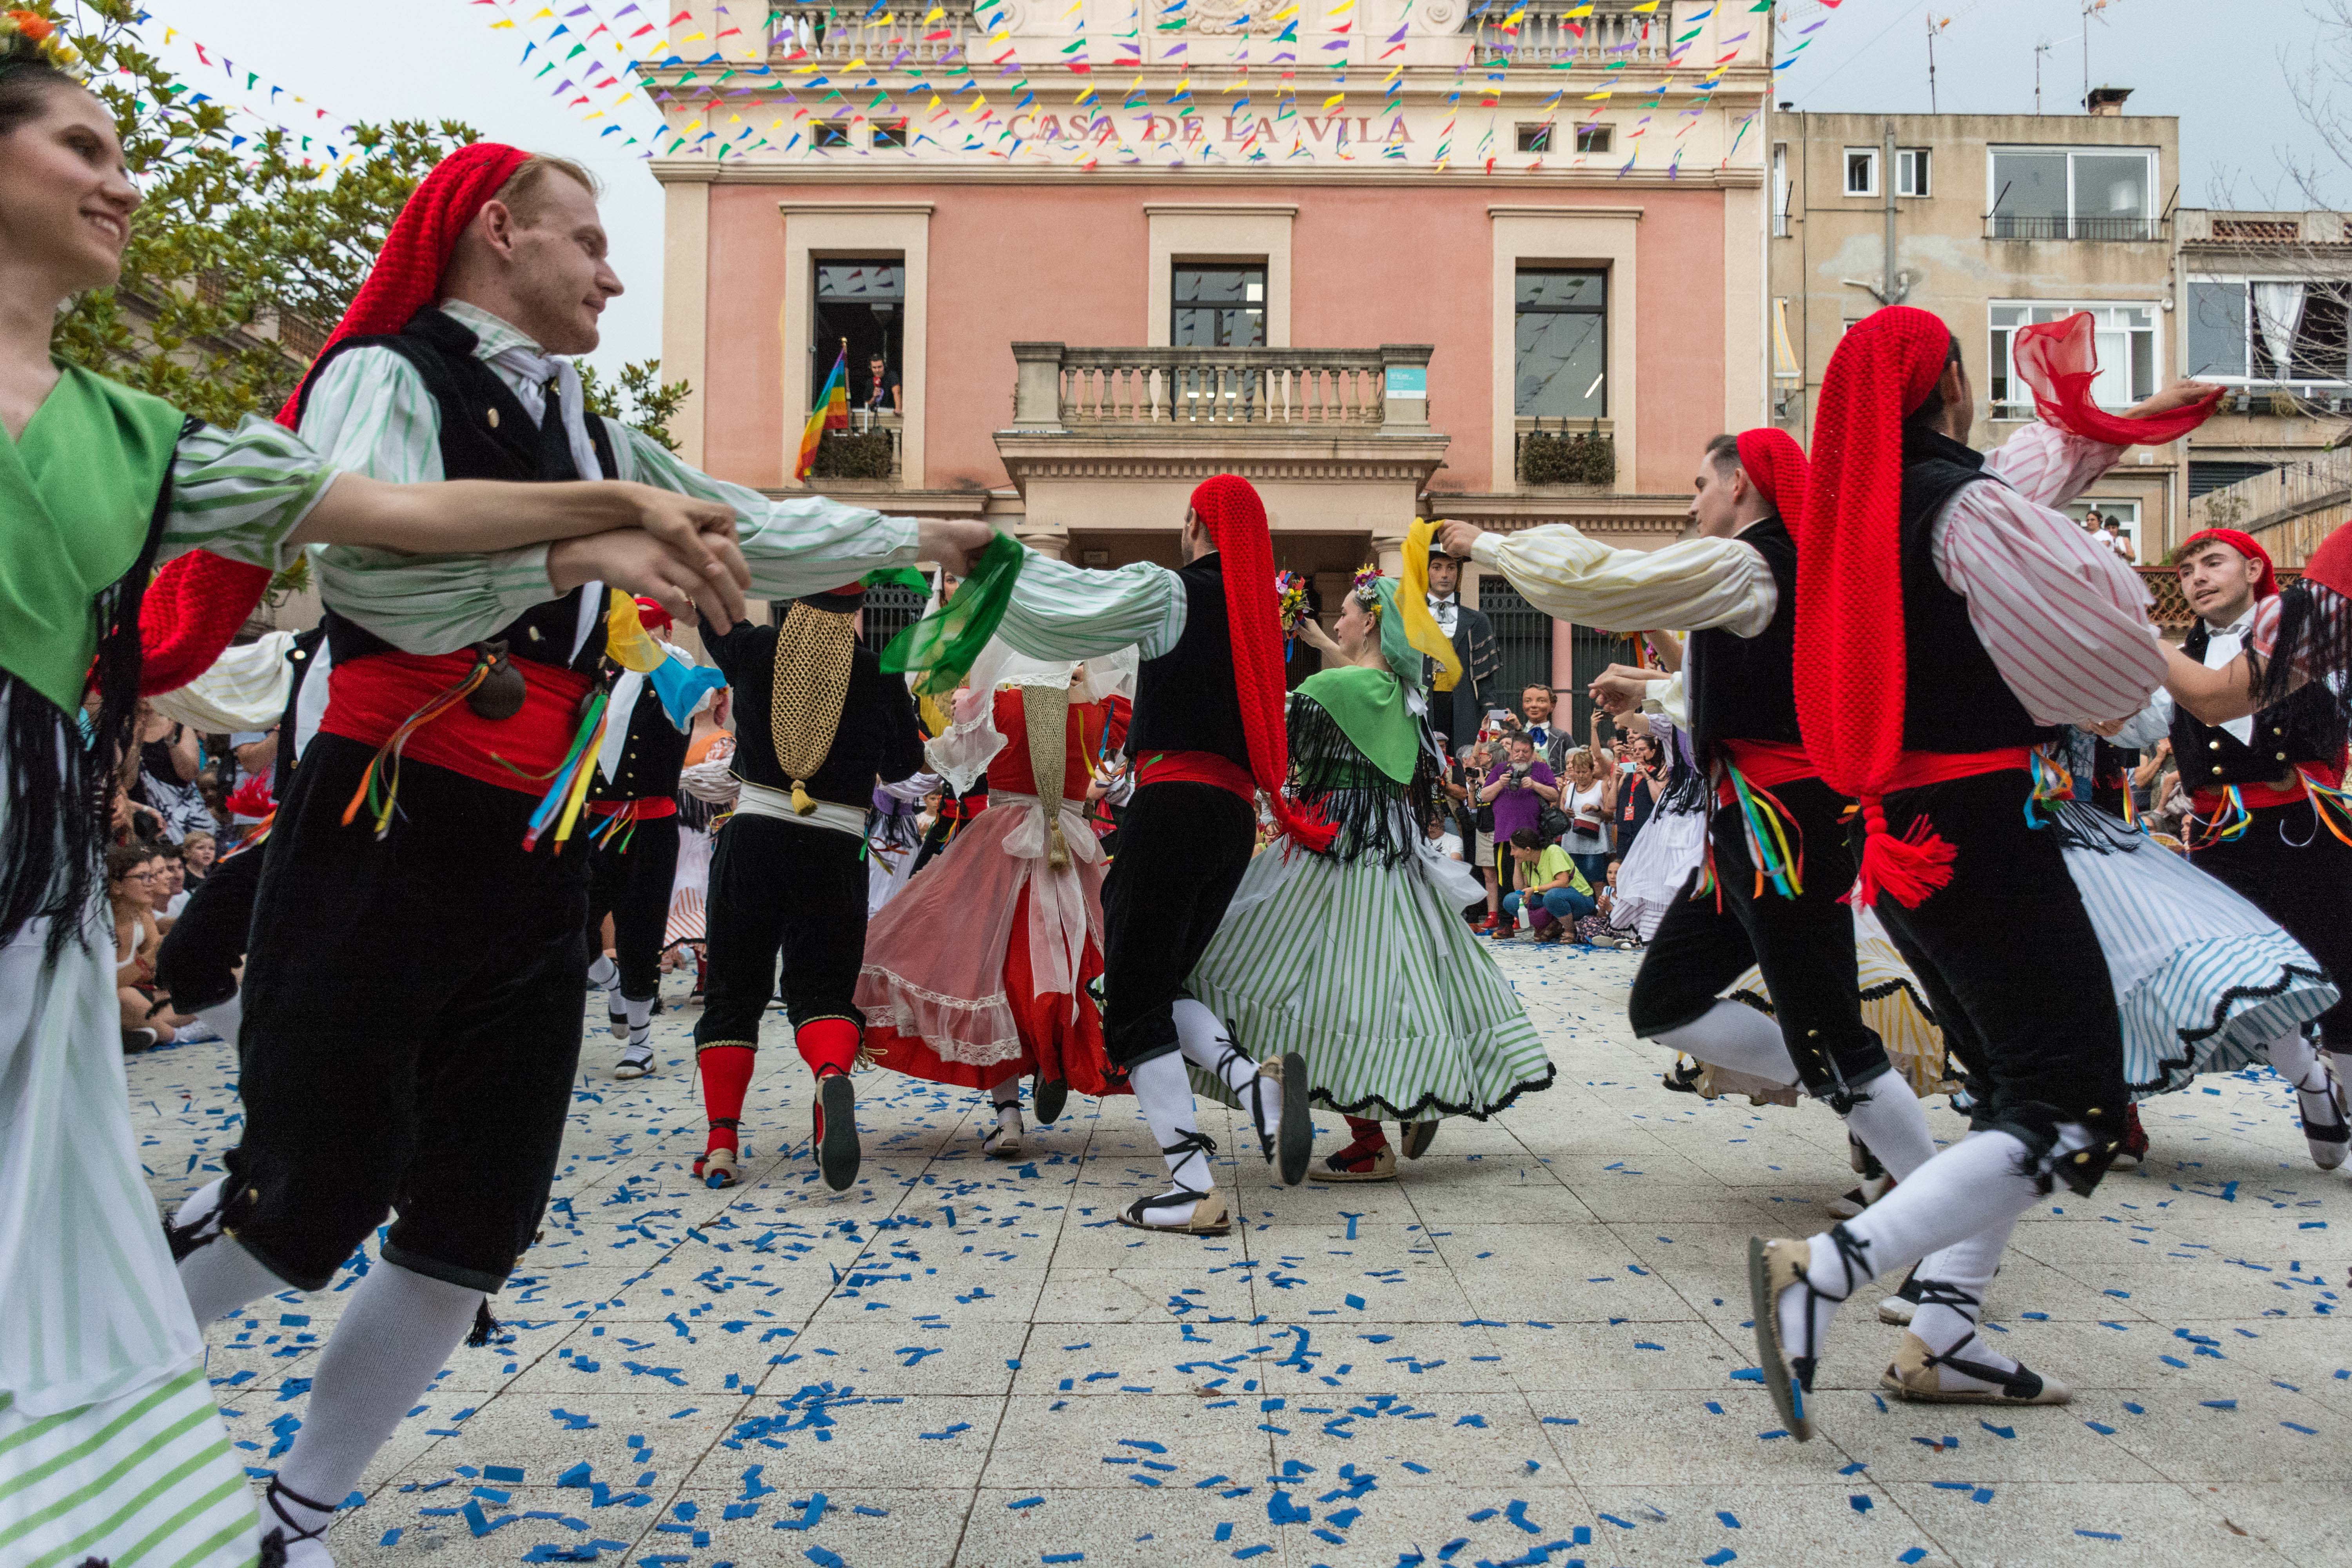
(1045, 713)
(801, 805)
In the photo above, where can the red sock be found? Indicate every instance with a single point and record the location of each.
(827, 1043)
(1368, 1135)
(725, 1074)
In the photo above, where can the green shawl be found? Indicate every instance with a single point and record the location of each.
(77, 493)
(1369, 707)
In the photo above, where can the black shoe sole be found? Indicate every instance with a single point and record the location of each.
(1295, 1138)
(836, 1152)
(1046, 1100)
(1788, 1398)
(1418, 1137)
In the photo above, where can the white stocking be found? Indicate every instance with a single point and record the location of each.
(1735, 1035)
(605, 973)
(1893, 1124)
(1165, 1095)
(1206, 1046)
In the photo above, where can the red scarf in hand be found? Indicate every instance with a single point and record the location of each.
(2059, 359)
(1228, 506)
(198, 601)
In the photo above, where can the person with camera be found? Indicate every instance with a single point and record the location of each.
(1519, 790)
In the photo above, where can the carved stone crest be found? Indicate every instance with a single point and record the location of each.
(1233, 16)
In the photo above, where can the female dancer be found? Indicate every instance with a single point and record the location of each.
(1356, 957)
(109, 1445)
(979, 971)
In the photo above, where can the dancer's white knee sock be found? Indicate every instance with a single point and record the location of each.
(1894, 1123)
(1206, 1046)
(641, 1014)
(1165, 1095)
(605, 973)
(1006, 1093)
(2294, 1058)
(221, 1276)
(394, 1336)
(1968, 1266)
(1734, 1034)
(226, 1017)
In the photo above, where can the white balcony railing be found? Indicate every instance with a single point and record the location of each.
(1286, 391)
(826, 34)
(1545, 37)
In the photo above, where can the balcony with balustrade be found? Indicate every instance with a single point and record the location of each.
(827, 34)
(1549, 32)
(1335, 439)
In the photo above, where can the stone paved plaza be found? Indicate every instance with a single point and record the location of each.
(1530, 1349)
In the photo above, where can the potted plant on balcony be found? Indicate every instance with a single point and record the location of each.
(1567, 457)
(853, 455)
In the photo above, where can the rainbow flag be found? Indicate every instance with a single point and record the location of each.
(831, 413)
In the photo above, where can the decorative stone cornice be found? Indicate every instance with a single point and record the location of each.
(868, 173)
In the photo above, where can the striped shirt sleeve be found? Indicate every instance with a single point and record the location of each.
(2064, 620)
(369, 412)
(795, 545)
(240, 493)
(1061, 611)
(1691, 585)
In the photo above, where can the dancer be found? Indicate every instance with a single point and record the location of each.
(2262, 819)
(109, 1446)
(416, 979)
(981, 971)
(821, 723)
(892, 838)
(1207, 736)
(1928, 661)
(1353, 956)
(632, 851)
(706, 792)
(1776, 862)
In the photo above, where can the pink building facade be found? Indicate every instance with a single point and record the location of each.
(1061, 320)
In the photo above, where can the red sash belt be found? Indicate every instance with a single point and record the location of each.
(2254, 796)
(1199, 767)
(1765, 765)
(1917, 770)
(645, 810)
(370, 697)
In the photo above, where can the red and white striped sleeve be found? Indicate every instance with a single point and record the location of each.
(2045, 465)
(2064, 620)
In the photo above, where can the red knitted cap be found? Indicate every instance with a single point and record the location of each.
(1775, 465)
(2245, 544)
(1850, 666)
(2331, 564)
(1228, 507)
(406, 276)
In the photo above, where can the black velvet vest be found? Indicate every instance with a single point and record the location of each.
(1954, 697)
(1745, 689)
(1186, 700)
(486, 433)
(650, 759)
(2307, 727)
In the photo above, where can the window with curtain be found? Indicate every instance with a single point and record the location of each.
(1218, 307)
(2124, 336)
(2270, 330)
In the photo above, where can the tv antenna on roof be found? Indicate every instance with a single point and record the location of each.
(2039, 49)
(1934, 28)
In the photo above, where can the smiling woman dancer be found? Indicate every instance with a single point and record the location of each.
(108, 1442)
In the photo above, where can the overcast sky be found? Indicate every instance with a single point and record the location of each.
(2217, 66)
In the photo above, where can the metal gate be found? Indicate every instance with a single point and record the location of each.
(889, 610)
(1522, 635)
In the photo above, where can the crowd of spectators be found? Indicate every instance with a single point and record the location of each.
(1545, 820)
(181, 801)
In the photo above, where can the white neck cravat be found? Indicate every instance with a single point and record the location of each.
(2223, 644)
(536, 370)
(1445, 608)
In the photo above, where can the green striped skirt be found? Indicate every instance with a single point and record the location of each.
(1368, 973)
(147, 1480)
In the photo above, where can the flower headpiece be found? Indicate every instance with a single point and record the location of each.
(1364, 588)
(27, 37)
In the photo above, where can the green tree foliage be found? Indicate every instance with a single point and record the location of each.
(641, 400)
(246, 246)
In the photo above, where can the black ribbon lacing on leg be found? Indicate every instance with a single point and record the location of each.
(286, 1533)
(1193, 1142)
(1850, 1251)
(485, 1329)
(1234, 1053)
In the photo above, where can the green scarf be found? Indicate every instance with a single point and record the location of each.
(76, 494)
(939, 648)
(1369, 707)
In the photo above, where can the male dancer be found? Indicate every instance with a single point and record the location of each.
(1777, 856)
(821, 722)
(2256, 825)
(1926, 616)
(632, 850)
(1208, 735)
(413, 991)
